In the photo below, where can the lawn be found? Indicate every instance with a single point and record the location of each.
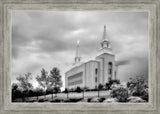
(71, 95)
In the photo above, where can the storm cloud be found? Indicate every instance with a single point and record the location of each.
(46, 39)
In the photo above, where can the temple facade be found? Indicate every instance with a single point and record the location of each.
(94, 72)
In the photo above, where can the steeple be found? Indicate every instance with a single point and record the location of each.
(77, 58)
(105, 43)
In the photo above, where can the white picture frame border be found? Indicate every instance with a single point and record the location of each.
(150, 6)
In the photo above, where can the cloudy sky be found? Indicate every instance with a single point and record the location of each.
(48, 39)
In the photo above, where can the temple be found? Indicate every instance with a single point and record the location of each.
(94, 72)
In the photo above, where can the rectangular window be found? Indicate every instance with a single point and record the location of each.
(75, 79)
(75, 76)
(75, 82)
(110, 71)
(96, 71)
(95, 79)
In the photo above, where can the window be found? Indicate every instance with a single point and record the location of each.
(110, 69)
(101, 45)
(107, 44)
(75, 82)
(75, 79)
(96, 71)
(95, 79)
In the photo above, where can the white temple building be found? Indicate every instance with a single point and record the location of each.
(94, 72)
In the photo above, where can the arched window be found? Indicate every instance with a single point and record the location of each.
(110, 69)
(102, 45)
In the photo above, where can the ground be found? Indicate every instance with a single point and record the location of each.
(71, 95)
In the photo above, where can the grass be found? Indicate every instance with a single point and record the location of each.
(62, 97)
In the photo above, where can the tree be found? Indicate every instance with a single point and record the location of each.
(56, 90)
(100, 86)
(14, 86)
(55, 79)
(120, 93)
(38, 92)
(24, 83)
(14, 91)
(43, 80)
(138, 87)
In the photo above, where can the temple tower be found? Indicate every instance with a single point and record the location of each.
(107, 69)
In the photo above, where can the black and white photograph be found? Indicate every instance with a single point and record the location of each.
(79, 57)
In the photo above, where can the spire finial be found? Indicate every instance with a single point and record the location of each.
(104, 33)
(77, 42)
(77, 54)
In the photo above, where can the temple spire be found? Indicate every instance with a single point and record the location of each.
(77, 58)
(104, 34)
(105, 43)
(77, 50)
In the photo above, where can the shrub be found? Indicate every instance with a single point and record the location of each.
(138, 87)
(39, 91)
(49, 90)
(41, 100)
(14, 86)
(16, 93)
(58, 100)
(89, 99)
(110, 83)
(102, 99)
(120, 93)
(30, 93)
(78, 89)
(107, 86)
(72, 90)
(100, 86)
(66, 90)
(75, 99)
